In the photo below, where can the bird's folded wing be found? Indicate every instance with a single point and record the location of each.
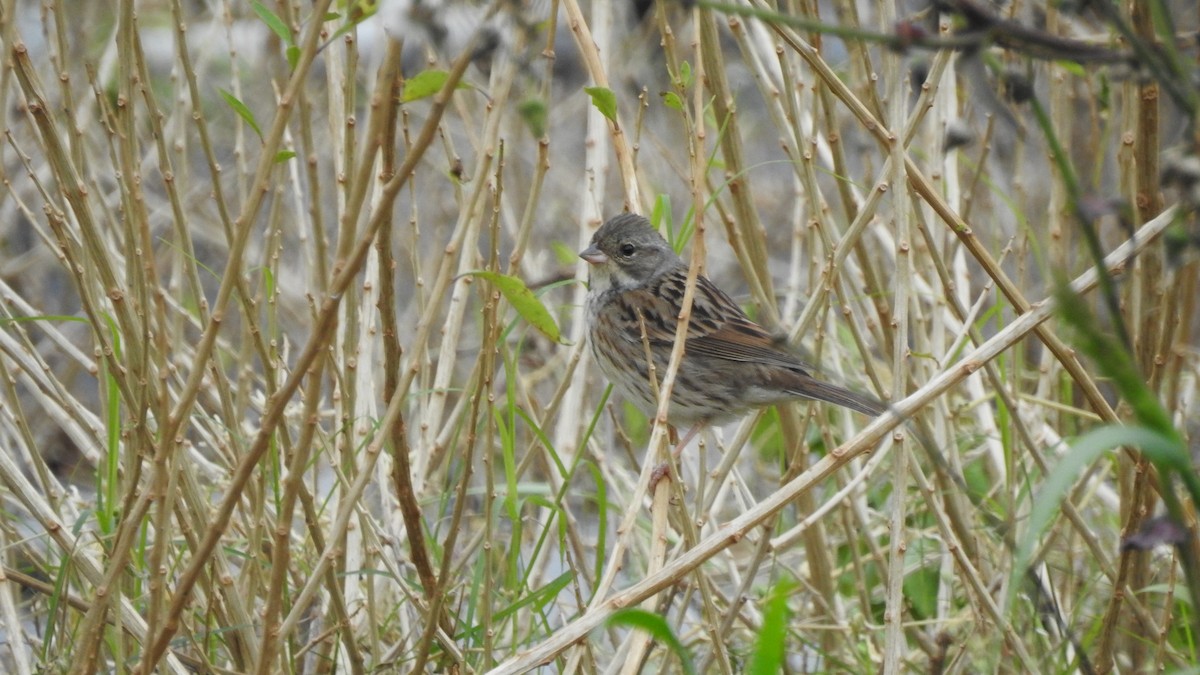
(724, 334)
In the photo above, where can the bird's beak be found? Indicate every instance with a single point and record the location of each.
(593, 255)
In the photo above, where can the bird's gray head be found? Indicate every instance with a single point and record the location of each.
(626, 252)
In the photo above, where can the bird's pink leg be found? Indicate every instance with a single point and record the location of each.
(688, 436)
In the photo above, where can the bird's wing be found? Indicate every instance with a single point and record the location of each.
(718, 327)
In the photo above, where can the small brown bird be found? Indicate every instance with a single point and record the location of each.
(730, 366)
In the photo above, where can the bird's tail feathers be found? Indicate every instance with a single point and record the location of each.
(831, 393)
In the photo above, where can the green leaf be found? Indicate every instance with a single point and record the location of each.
(541, 436)
(269, 281)
(425, 84)
(524, 301)
(672, 100)
(604, 100)
(242, 111)
(1115, 361)
(660, 218)
(601, 513)
(362, 10)
(510, 466)
(277, 26)
(539, 599)
(1086, 450)
(533, 112)
(356, 14)
(656, 626)
(685, 75)
(293, 56)
(346, 28)
(767, 658)
(284, 155)
(1072, 68)
(563, 253)
(921, 584)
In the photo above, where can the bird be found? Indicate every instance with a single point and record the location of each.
(731, 365)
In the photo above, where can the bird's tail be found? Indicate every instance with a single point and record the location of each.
(817, 390)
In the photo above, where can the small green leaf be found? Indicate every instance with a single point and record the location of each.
(601, 512)
(346, 28)
(524, 301)
(277, 26)
(269, 279)
(538, 598)
(541, 436)
(672, 100)
(363, 9)
(284, 155)
(767, 658)
(425, 84)
(660, 218)
(1072, 68)
(563, 253)
(533, 112)
(921, 584)
(242, 111)
(356, 14)
(656, 626)
(685, 75)
(604, 100)
(293, 56)
(507, 442)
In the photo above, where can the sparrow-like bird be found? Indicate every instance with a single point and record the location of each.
(730, 366)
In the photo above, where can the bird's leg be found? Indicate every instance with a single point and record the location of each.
(664, 470)
(659, 473)
(691, 433)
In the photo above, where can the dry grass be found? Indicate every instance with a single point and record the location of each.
(259, 414)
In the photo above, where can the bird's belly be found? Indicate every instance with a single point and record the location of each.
(692, 401)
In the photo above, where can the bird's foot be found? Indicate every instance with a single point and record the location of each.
(660, 472)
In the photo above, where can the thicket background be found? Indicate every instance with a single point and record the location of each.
(272, 399)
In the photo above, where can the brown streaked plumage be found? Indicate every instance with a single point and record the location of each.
(731, 365)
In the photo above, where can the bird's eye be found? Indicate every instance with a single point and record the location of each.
(627, 249)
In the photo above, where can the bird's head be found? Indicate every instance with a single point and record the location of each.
(626, 252)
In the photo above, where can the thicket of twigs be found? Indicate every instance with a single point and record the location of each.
(275, 396)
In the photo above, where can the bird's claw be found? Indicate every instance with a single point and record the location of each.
(659, 473)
